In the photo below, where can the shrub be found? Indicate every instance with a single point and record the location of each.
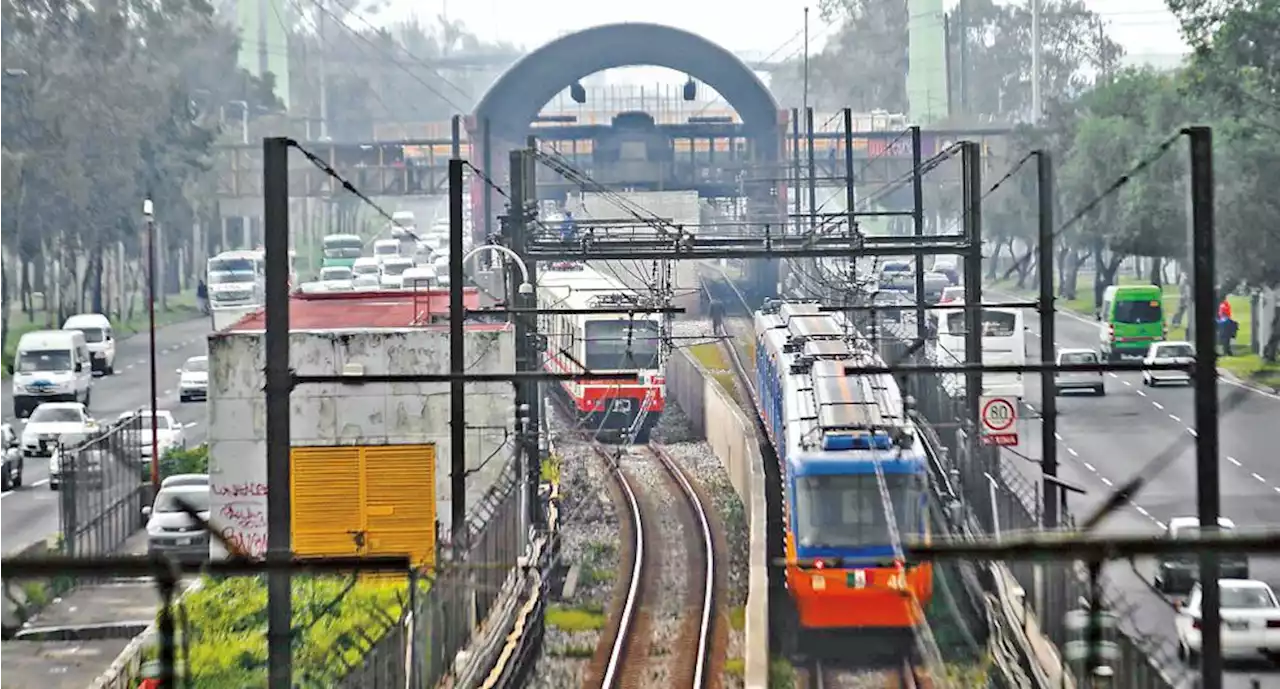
(336, 620)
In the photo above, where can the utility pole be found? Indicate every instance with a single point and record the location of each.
(457, 366)
(962, 37)
(532, 357)
(917, 222)
(795, 168)
(275, 212)
(1048, 385)
(516, 241)
(148, 211)
(850, 194)
(1205, 376)
(971, 165)
(1036, 48)
(805, 103)
(321, 20)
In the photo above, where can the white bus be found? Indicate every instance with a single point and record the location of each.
(1004, 342)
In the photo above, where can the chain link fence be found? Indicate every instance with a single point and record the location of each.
(1002, 500)
(101, 490)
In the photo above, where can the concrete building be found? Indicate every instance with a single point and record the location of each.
(370, 461)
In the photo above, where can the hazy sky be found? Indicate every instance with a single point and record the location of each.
(1142, 26)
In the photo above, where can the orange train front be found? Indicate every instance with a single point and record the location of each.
(847, 452)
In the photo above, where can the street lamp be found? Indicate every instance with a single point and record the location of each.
(525, 287)
(148, 212)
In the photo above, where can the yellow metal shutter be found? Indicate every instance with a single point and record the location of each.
(327, 501)
(400, 501)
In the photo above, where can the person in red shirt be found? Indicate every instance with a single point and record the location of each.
(1224, 310)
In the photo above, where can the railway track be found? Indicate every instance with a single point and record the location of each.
(631, 651)
(905, 676)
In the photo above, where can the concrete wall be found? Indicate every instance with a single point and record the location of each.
(731, 434)
(373, 414)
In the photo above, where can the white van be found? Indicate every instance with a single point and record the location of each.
(50, 366)
(384, 249)
(99, 337)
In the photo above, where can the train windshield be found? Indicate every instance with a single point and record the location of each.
(847, 511)
(622, 345)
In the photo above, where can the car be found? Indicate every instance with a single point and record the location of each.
(336, 278)
(1079, 380)
(194, 381)
(1172, 352)
(170, 530)
(99, 337)
(89, 462)
(1250, 621)
(169, 433)
(185, 480)
(11, 476)
(1177, 574)
(952, 295)
(53, 424)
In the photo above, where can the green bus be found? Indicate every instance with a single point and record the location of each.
(1131, 317)
(342, 250)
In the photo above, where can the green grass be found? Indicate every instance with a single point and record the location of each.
(575, 619)
(550, 470)
(736, 667)
(781, 673)
(710, 355)
(738, 617)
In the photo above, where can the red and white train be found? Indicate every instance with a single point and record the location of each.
(602, 343)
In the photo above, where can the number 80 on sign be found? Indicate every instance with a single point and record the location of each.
(999, 419)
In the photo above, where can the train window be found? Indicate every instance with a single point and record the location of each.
(621, 345)
(847, 511)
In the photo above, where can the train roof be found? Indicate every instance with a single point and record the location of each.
(830, 414)
(580, 286)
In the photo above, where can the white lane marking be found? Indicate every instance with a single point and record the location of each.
(1175, 418)
(1057, 435)
(1260, 479)
(140, 362)
(1113, 375)
(168, 392)
(1142, 510)
(1127, 383)
(1157, 405)
(39, 483)
(1073, 452)
(1141, 393)
(1193, 433)
(5, 494)
(1106, 481)
(1233, 460)
(1264, 393)
(1090, 467)
(1161, 524)
(191, 425)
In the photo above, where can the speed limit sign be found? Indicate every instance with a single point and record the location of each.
(999, 420)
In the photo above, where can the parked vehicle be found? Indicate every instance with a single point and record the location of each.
(50, 366)
(185, 480)
(336, 278)
(99, 337)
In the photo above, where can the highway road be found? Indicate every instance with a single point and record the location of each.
(1106, 440)
(30, 513)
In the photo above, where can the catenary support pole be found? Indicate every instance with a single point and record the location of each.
(486, 146)
(1049, 391)
(517, 241)
(532, 355)
(971, 167)
(850, 192)
(917, 222)
(813, 172)
(455, 139)
(275, 215)
(1205, 301)
(795, 169)
(457, 363)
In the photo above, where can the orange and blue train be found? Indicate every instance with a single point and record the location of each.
(846, 450)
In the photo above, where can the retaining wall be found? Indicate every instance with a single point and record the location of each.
(715, 415)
